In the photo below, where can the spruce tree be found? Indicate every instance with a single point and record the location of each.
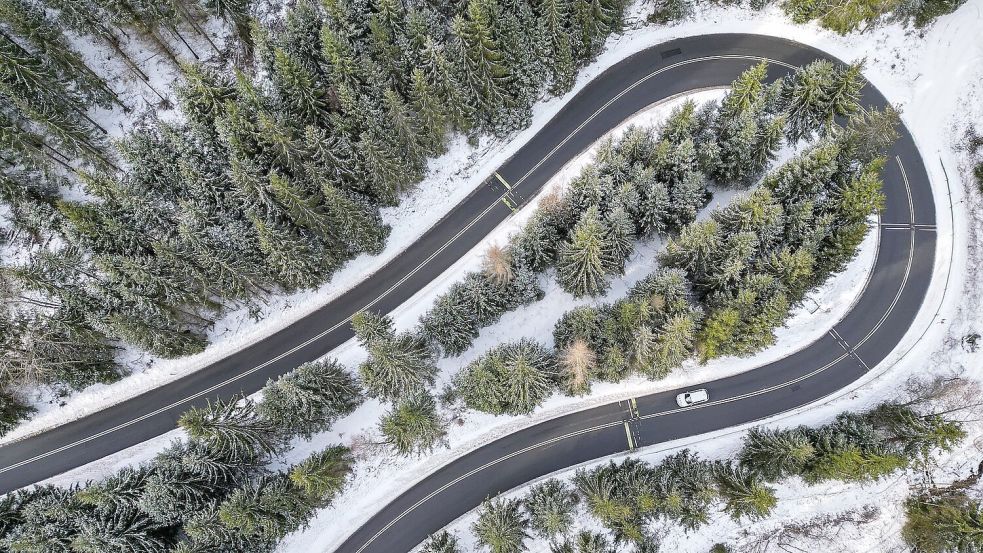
(943, 520)
(776, 454)
(483, 77)
(264, 512)
(233, 426)
(513, 378)
(442, 542)
(323, 475)
(501, 526)
(586, 260)
(310, 398)
(743, 492)
(398, 365)
(413, 426)
(550, 507)
(118, 530)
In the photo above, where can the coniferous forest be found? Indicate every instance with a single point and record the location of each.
(270, 178)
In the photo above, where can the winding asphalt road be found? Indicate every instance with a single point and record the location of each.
(863, 338)
(869, 332)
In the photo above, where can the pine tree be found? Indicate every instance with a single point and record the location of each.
(359, 228)
(432, 113)
(743, 492)
(310, 398)
(620, 237)
(482, 74)
(322, 475)
(513, 378)
(591, 20)
(693, 481)
(454, 96)
(943, 520)
(587, 258)
(550, 507)
(584, 542)
(776, 454)
(398, 366)
(12, 411)
(413, 426)
(298, 91)
(118, 530)
(914, 434)
(293, 259)
(232, 426)
(554, 16)
(265, 512)
(501, 526)
(443, 542)
(450, 324)
(119, 492)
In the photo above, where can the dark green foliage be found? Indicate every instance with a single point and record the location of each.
(854, 447)
(670, 11)
(501, 526)
(943, 521)
(651, 331)
(512, 379)
(310, 398)
(583, 542)
(443, 542)
(551, 507)
(625, 497)
(476, 301)
(264, 184)
(743, 492)
(846, 17)
(777, 453)
(264, 512)
(322, 475)
(399, 365)
(12, 411)
(413, 426)
(232, 426)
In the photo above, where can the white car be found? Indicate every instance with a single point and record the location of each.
(692, 398)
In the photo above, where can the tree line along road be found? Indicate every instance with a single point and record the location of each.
(871, 330)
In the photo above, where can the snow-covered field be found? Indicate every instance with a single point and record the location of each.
(933, 76)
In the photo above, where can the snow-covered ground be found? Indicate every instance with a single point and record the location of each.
(932, 75)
